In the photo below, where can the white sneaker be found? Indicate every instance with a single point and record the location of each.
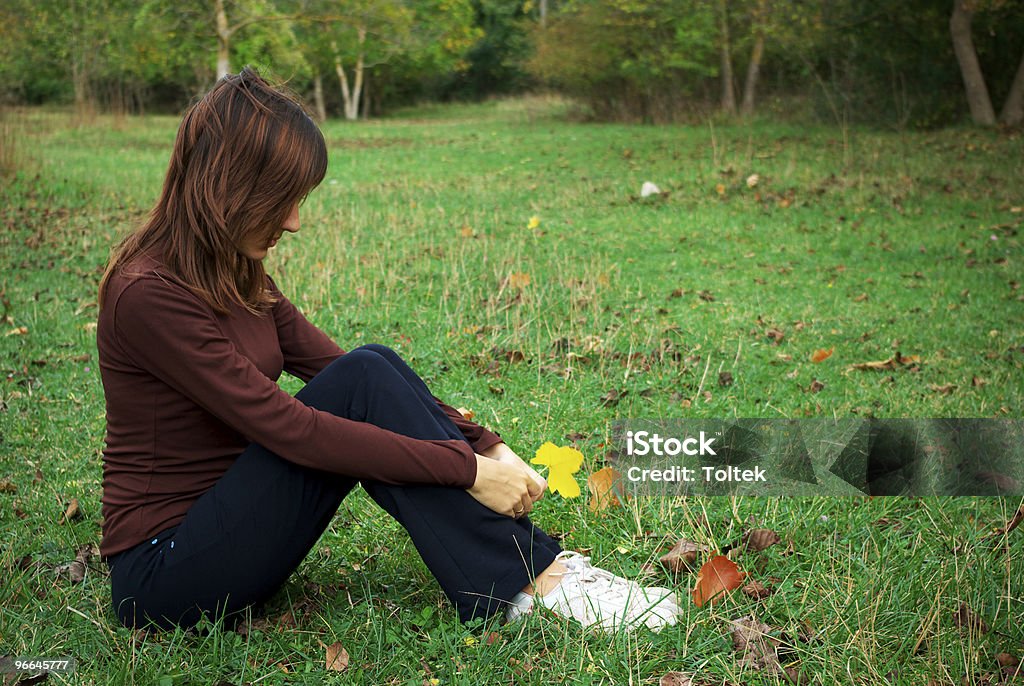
(593, 596)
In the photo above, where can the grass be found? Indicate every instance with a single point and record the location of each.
(863, 241)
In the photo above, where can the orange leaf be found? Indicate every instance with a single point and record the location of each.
(718, 575)
(820, 355)
(720, 189)
(603, 485)
(466, 414)
(519, 280)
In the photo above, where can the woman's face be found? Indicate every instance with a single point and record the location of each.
(256, 248)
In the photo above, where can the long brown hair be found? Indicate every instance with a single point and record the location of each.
(245, 154)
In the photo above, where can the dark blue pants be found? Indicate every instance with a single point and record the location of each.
(244, 537)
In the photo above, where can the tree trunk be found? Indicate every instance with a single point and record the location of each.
(1013, 108)
(318, 97)
(753, 70)
(543, 13)
(728, 94)
(346, 94)
(352, 107)
(974, 82)
(223, 40)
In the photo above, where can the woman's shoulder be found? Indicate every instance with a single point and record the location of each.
(145, 281)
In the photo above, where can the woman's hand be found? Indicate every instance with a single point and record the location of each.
(502, 453)
(506, 489)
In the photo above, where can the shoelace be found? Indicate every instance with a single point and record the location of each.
(598, 580)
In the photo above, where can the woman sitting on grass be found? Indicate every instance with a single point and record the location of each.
(217, 483)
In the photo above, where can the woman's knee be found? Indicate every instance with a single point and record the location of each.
(384, 351)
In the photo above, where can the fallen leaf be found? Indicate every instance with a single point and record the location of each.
(18, 331)
(978, 382)
(466, 231)
(466, 414)
(562, 463)
(1014, 522)
(720, 189)
(821, 355)
(612, 397)
(1010, 665)
(816, 386)
(759, 539)
(73, 511)
(1002, 482)
(7, 486)
(724, 379)
(706, 296)
(717, 576)
(683, 555)
(756, 590)
(686, 679)
(944, 389)
(752, 180)
(76, 569)
(776, 335)
(519, 280)
(337, 657)
(754, 640)
(967, 619)
(894, 362)
(605, 486)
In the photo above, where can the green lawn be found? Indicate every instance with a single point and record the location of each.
(614, 306)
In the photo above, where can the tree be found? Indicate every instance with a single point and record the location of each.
(977, 92)
(974, 82)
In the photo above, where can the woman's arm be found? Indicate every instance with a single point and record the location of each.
(306, 349)
(168, 332)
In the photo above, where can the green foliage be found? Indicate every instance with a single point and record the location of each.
(643, 58)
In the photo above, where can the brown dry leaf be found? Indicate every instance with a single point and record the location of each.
(612, 397)
(776, 335)
(725, 379)
(466, 231)
(605, 486)
(73, 511)
(820, 355)
(337, 657)
(759, 539)
(1002, 482)
(1014, 522)
(943, 389)
(76, 569)
(966, 618)
(18, 331)
(1010, 665)
(7, 486)
(756, 590)
(706, 296)
(816, 386)
(719, 575)
(519, 280)
(757, 646)
(894, 362)
(466, 414)
(683, 555)
(687, 679)
(978, 382)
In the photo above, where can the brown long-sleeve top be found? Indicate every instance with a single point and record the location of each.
(187, 389)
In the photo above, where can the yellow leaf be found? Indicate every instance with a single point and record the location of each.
(534, 222)
(519, 280)
(562, 463)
